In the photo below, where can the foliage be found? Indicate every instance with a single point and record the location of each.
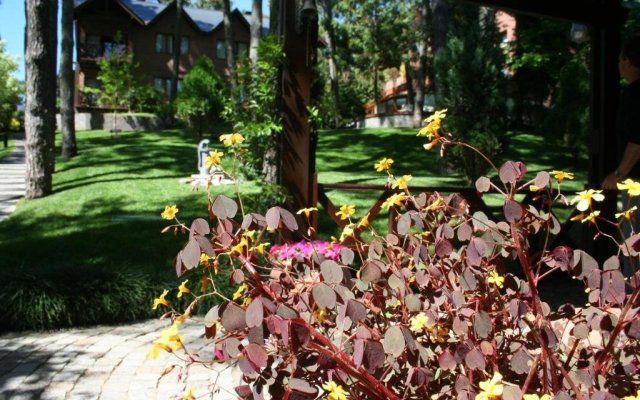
(471, 86)
(434, 307)
(254, 110)
(202, 96)
(10, 89)
(121, 85)
(568, 118)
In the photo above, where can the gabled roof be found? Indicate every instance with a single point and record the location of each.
(145, 13)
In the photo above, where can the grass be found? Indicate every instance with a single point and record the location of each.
(93, 252)
(103, 218)
(5, 151)
(348, 155)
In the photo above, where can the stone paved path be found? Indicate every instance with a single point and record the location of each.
(12, 176)
(107, 362)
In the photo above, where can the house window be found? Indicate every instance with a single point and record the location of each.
(92, 47)
(242, 49)
(164, 43)
(164, 85)
(184, 45)
(221, 50)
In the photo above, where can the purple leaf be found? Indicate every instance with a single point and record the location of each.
(447, 361)
(513, 210)
(483, 184)
(255, 313)
(257, 355)
(199, 226)
(331, 271)
(224, 207)
(393, 341)
(233, 317)
(324, 296)
(191, 254)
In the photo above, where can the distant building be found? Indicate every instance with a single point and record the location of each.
(147, 29)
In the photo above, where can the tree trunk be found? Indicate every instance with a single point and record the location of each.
(274, 15)
(228, 40)
(441, 11)
(40, 119)
(256, 30)
(419, 67)
(176, 53)
(330, 38)
(67, 124)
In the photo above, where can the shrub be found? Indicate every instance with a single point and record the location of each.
(201, 98)
(432, 309)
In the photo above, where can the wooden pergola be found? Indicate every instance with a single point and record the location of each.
(604, 18)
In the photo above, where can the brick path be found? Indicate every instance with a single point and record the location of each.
(12, 176)
(107, 362)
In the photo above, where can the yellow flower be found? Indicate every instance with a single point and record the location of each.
(627, 214)
(238, 248)
(495, 278)
(491, 389)
(169, 212)
(231, 139)
(307, 211)
(534, 188)
(169, 341)
(260, 247)
(632, 187)
(335, 391)
(346, 211)
(401, 183)
(430, 145)
(394, 199)
(591, 217)
(433, 125)
(213, 158)
(320, 314)
(364, 222)
(183, 288)
(204, 259)
(584, 198)
(536, 397)
(161, 300)
(189, 394)
(347, 231)
(561, 175)
(383, 165)
(419, 322)
(238, 293)
(636, 397)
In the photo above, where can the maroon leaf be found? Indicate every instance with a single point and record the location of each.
(300, 334)
(393, 341)
(331, 271)
(542, 179)
(303, 386)
(273, 218)
(232, 346)
(233, 317)
(404, 224)
(346, 256)
(443, 247)
(191, 254)
(464, 232)
(483, 184)
(324, 296)
(199, 226)
(358, 352)
(511, 393)
(178, 266)
(521, 362)
(475, 251)
(224, 207)
(613, 288)
(356, 311)
(562, 256)
(374, 355)
(583, 264)
(631, 246)
(475, 360)
(513, 210)
(412, 302)
(512, 172)
(482, 324)
(255, 313)
(370, 272)
(447, 361)
(611, 264)
(205, 245)
(257, 355)
(633, 329)
(253, 221)
(288, 219)
(468, 280)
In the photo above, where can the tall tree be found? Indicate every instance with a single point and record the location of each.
(327, 22)
(67, 112)
(40, 56)
(228, 41)
(418, 58)
(176, 52)
(256, 30)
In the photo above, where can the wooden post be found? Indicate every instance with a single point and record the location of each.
(298, 152)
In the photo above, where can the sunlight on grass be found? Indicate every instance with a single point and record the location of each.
(6, 151)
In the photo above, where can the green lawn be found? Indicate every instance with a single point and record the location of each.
(5, 151)
(348, 155)
(93, 251)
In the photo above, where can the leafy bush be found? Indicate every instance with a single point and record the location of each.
(64, 297)
(201, 98)
(430, 309)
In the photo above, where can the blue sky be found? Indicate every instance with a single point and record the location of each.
(12, 27)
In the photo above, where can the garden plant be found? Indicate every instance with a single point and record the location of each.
(435, 308)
